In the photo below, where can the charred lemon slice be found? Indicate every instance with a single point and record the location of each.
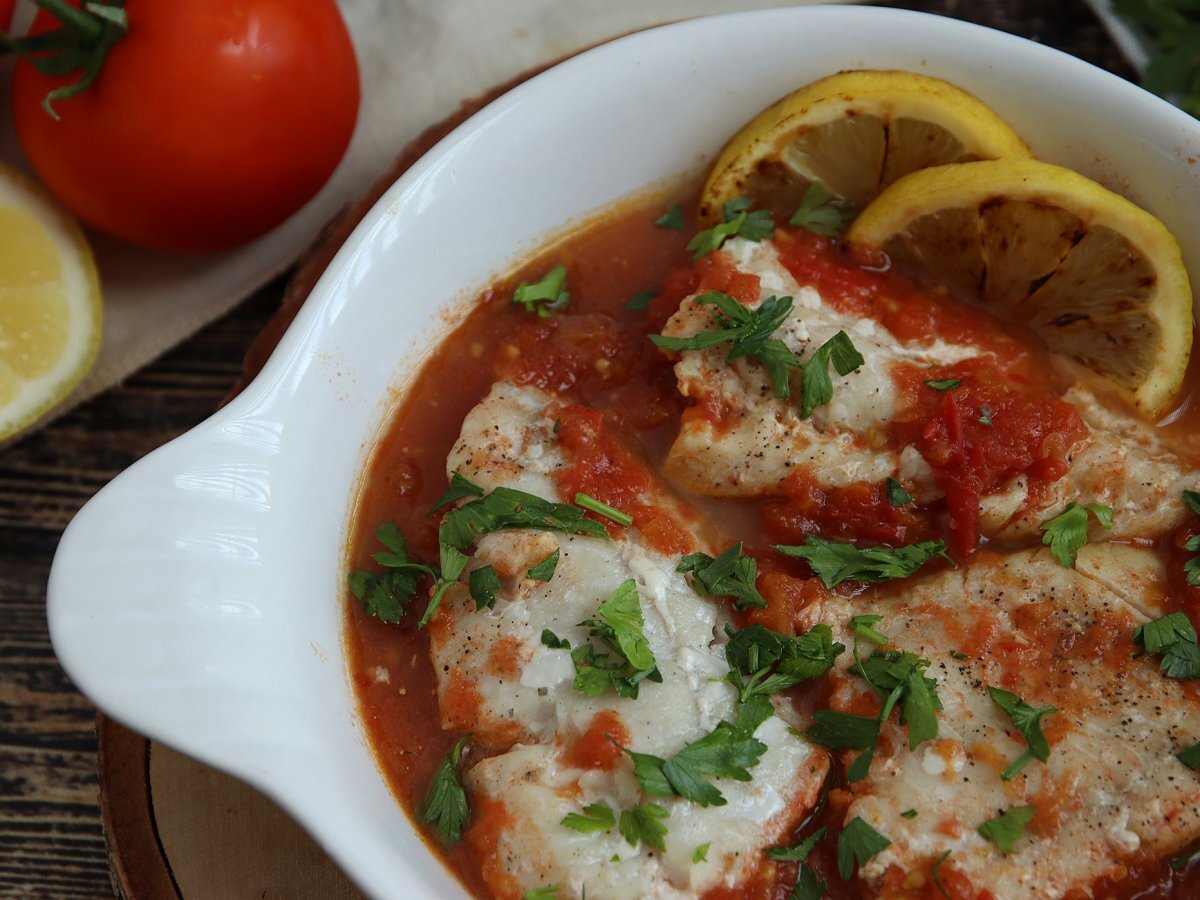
(1099, 279)
(856, 133)
(50, 319)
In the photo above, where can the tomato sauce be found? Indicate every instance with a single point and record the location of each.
(620, 412)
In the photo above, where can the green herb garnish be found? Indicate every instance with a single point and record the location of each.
(727, 751)
(820, 213)
(896, 494)
(1067, 531)
(640, 301)
(445, 806)
(1028, 720)
(548, 294)
(388, 595)
(943, 384)
(603, 509)
(818, 386)
(459, 487)
(835, 562)
(1174, 638)
(484, 583)
(595, 817)
(732, 574)
(1006, 829)
(797, 852)
(672, 219)
(544, 570)
(642, 823)
(858, 844)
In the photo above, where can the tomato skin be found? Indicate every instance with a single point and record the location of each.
(211, 122)
(6, 13)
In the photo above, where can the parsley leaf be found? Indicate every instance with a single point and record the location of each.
(861, 626)
(937, 880)
(640, 301)
(797, 852)
(739, 220)
(818, 386)
(672, 219)
(1192, 499)
(700, 854)
(549, 892)
(642, 824)
(550, 293)
(1190, 757)
(909, 814)
(835, 562)
(544, 570)
(620, 630)
(459, 487)
(484, 583)
(1174, 638)
(771, 662)
(388, 595)
(1006, 829)
(591, 504)
(943, 384)
(725, 752)
(900, 678)
(820, 213)
(896, 494)
(732, 574)
(595, 817)
(809, 885)
(985, 415)
(1067, 531)
(857, 844)
(1028, 720)
(748, 332)
(445, 806)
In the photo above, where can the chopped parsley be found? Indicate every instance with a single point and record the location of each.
(544, 296)
(896, 494)
(1190, 757)
(943, 384)
(700, 854)
(797, 852)
(672, 219)
(809, 885)
(820, 213)
(620, 630)
(818, 386)
(595, 817)
(1191, 568)
(484, 583)
(642, 823)
(387, 595)
(640, 301)
(1006, 829)
(862, 627)
(732, 574)
(1028, 720)
(1192, 499)
(728, 751)
(603, 509)
(1067, 531)
(1173, 638)
(835, 562)
(459, 488)
(748, 333)
(937, 880)
(549, 892)
(544, 570)
(445, 806)
(985, 415)
(909, 814)
(958, 654)
(764, 662)
(857, 845)
(739, 220)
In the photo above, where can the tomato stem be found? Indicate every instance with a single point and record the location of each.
(88, 26)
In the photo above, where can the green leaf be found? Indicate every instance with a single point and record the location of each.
(835, 562)
(484, 583)
(943, 384)
(862, 627)
(603, 509)
(748, 332)
(1006, 829)
(754, 225)
(896, 494)
(818, 386)
(595, 817)
(620, 630)
(388, 595)
(672, 219)
(459, 487)
(1174, 638)
(642, 823)
(553, 641)
(725, 752)
(909, 814)
(937, 880)
(1192, 499)
(763, 662)
(547, 294)
(544, 570)
(549, 892)
(857, 845)
(1028, 721)
(445, 806)
(797, 852)
(640, 301)
(454, 562)
(711, 239)
(1067, 531)
(623, 613)
(820, 213)
(809, 885)
(985, 415)
(700, 854)
(509, 508)
(732, 574)
(843, 731)
(1181, 660)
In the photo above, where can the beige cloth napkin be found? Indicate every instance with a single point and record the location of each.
(417, 59)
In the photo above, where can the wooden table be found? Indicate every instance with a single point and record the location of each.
(51, 839)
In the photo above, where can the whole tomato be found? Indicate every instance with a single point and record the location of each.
(210, 122)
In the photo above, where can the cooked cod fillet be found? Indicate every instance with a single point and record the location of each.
(1112, 786)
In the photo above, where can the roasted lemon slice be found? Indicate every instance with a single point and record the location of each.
(856, 133)
(50, 319)
(1101, 280)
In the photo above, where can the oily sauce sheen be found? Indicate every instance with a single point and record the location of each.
(596, 353)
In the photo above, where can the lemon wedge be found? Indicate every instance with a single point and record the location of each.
(50, 317)
(856, 133)
(1099, 279)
